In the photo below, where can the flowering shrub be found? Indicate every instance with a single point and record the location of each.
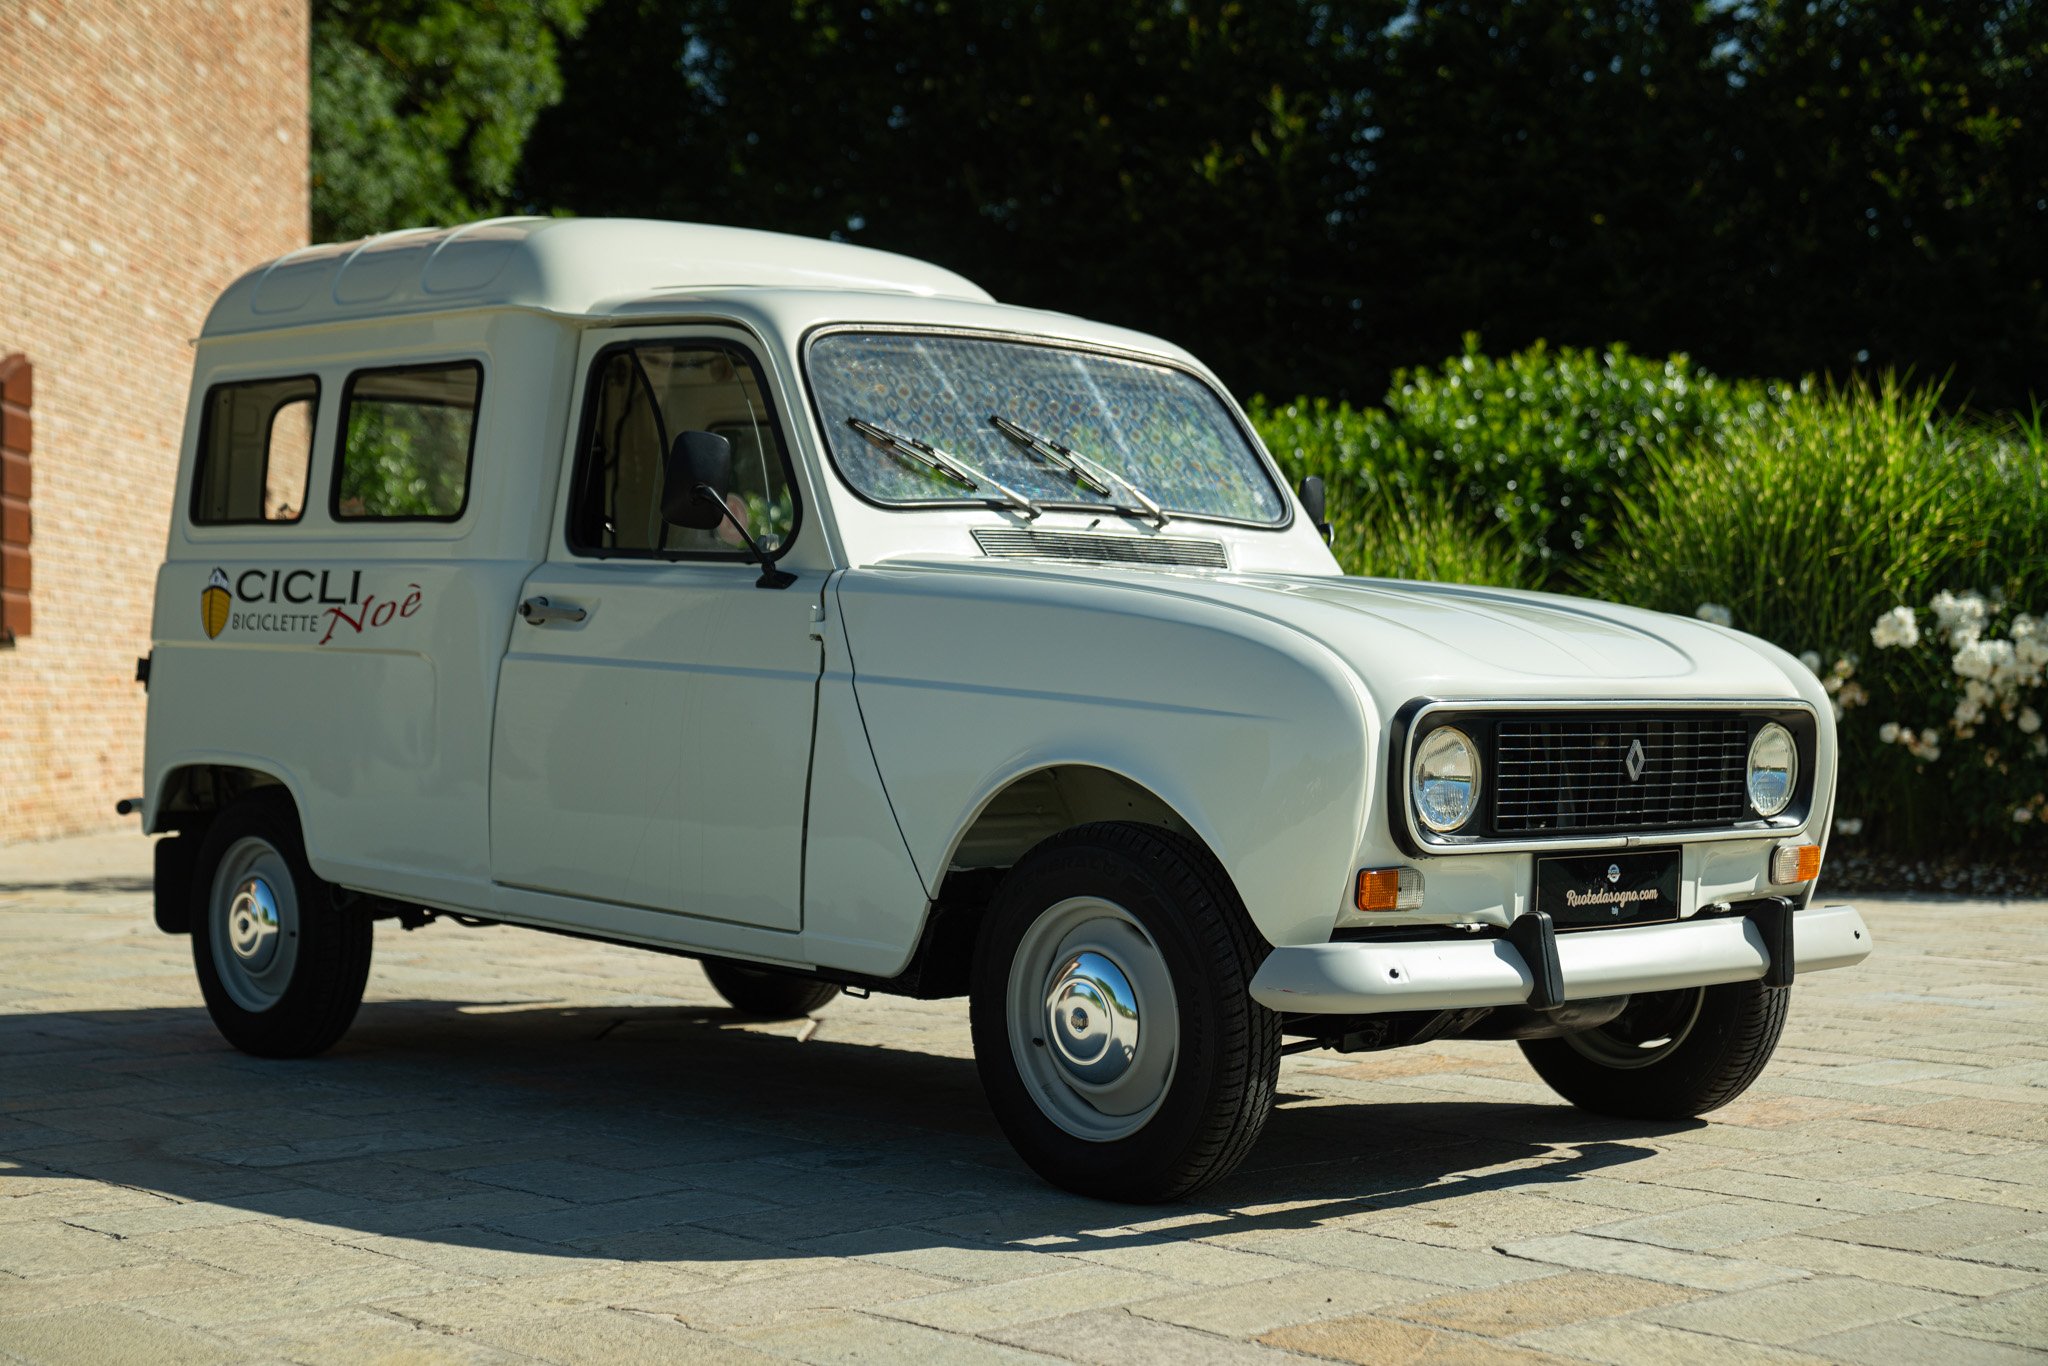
(1991, 686)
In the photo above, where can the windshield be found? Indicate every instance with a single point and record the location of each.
(1160, 429)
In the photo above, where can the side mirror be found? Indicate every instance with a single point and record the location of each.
(694, 482)
(1313, 504)
(696, 462)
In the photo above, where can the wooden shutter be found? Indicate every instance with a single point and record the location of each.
(17, 435)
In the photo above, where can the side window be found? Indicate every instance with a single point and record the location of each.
(255, 441)
(407, 437)
(642, 396)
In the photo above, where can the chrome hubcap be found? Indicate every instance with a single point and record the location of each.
(1092, 1019)
(253, 924)
(1093, 1022)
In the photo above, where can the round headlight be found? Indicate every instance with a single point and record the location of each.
(1773, 769)
(1446, 779)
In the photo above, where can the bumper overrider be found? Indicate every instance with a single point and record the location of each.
(1532, 964)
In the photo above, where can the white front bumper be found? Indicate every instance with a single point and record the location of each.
(1449, 974)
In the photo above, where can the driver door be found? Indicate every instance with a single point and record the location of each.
(651, 746)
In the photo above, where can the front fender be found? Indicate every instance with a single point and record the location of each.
(1260, 738)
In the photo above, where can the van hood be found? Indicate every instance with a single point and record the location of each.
(1407, 640)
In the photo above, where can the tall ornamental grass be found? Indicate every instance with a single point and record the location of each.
(1422, 536)
(1805, 527)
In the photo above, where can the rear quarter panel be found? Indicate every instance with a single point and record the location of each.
(357, 661)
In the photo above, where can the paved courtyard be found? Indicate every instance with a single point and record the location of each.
(536, 1148)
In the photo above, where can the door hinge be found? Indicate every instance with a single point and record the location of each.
(818, 622)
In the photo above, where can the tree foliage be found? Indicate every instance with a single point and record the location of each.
(1149, 162)
(1310, 194)
(421, 108)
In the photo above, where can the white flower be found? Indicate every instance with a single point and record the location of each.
(1811, 660)
(1714, 614)
(2030, 720)
(1888, 733)
(1849, 826)
(2022, 814)
(1960, 618)
(1995, 660)
(1929, 738)
(1929, 753)
(1896, 628)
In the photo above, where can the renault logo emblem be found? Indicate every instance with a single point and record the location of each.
(1635, 763)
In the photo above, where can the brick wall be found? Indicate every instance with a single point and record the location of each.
(150, 152)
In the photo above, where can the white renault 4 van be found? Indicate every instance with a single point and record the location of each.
(802, 609)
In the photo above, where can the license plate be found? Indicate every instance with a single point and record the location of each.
(1589, 890)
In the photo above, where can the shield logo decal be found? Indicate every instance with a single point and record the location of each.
(1635, 763)
(214, 601)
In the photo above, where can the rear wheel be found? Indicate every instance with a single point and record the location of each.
(1114, 1031)
(766, 992)
(1669, 1054)
(282, 968)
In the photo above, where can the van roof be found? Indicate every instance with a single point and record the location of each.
(557, 265)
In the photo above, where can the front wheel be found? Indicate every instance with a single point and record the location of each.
(1114, 1030)
(1669, 1054)
(281, 966)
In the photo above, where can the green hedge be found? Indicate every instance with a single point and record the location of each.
(1804, 512)
(1539, 444)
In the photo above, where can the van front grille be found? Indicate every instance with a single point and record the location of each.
(1099, 548)
(1574, 775)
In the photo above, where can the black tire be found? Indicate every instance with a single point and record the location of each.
(1711, 1057)
(1219, 1088)
(765, 992)
(304, 996)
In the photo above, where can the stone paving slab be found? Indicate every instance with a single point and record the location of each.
(538, 1149)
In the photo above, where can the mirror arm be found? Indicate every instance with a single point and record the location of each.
(771, 577)
(1312, 502)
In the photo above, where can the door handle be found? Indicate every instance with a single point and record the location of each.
(539, 611)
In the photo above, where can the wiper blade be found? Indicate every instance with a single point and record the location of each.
(1085, 472)
(943, 463)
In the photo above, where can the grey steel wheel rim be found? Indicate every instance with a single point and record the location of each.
(1617, 1050)
(253, 924)
(1093, 1021)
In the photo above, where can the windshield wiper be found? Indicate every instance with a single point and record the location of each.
(1085, 472)
(943, 463)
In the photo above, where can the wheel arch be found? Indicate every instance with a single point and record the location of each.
(1039, 799)
(190, 792)
(1019, 811)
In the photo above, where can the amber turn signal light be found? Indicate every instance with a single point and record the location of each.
(1389, 889)
(1792, 864)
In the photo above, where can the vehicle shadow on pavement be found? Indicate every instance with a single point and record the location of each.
(670, 1133)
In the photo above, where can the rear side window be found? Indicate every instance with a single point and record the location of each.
(407, 437)
(255, 442)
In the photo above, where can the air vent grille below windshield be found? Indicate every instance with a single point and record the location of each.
(1098, 548)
